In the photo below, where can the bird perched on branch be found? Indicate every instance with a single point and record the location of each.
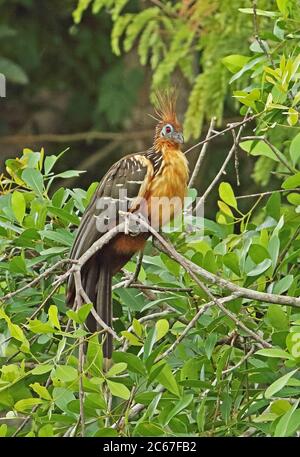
(140, 180)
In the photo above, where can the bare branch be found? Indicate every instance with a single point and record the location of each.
(256, 31)
(263, 194)
(38, 278)
(222, 169)
(243, 359)
(222, 132)
(274, 150)
(202, 153)
(190, 325)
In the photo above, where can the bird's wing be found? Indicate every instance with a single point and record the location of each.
(132, 174)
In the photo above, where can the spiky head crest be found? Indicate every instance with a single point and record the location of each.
(165, 110)
(165, 106)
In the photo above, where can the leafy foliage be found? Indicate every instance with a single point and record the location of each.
(191, 391)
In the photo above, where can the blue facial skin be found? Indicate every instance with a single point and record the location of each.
(169, 132)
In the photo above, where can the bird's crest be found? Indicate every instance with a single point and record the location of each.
(165, 106)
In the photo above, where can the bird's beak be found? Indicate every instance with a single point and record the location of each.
(178, 137)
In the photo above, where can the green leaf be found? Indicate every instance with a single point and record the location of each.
(277, 353)
(227, 195)
(116, 369)
(65, 373)
(294, 198)
(27, 403)
(279, 384)
(210, 344)
(292, 182)
(235, 62)
(277, 317)
(36, 326)
(283, 284)
(62, 397)
(295, 149)
(94, 357)
(69, 174)
(149, 343)
(15, 331)
(40, 390)
(34, 180)
(18, 204)
(148, 429)
(133, 340)
(137, 327)
(41, 369)
(283, 6)
(3, 430)
(46, 431)
(118, 390)
(258, 253)
(63, 215)
(273, 206)
(260, 268)
(280, 407)
(201, 416)
(49, 163)
(167, 379)
(53, 316)
(12, 71)
(225, 209)
(133, 362)
(84, 311)
(162, 328)
(183, 403)
(259, 148)
(231, 261)
(17, 265)
(282, 428)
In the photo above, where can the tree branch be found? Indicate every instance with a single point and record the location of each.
(202, 153)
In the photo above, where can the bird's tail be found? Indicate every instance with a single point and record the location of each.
(104, 307)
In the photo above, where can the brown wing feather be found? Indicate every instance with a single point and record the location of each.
(133, 174)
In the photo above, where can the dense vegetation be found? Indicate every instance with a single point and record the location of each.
(219, 354)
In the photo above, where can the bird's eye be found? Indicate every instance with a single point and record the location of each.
(167, 129)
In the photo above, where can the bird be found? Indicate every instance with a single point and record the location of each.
(146, 177)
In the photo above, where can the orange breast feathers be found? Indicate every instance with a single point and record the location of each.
(168, 188)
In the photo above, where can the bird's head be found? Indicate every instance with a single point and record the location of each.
(168, 130)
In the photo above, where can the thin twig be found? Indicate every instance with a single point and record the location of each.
(222, 169)
(274, 150)
(38, 278)
(225, 284)
(243, 359)
(256, 31)
(202, 153)
(190, 325)
(236, 158)
(36, 312)
(133, 278)
(270, 192)
(222, 132)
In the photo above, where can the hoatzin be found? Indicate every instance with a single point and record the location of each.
(162, 171)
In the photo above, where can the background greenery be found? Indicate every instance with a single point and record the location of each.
(90, 65)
